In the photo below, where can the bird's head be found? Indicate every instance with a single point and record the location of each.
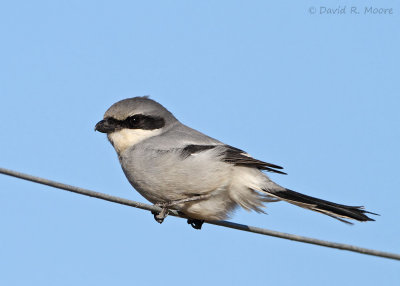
(133, 120)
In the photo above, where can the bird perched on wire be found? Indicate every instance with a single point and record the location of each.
(177, 167)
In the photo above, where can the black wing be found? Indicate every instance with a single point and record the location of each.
(233, 156)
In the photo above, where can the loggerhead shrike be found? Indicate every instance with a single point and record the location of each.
(177, 167)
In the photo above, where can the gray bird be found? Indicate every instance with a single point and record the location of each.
(177, 167)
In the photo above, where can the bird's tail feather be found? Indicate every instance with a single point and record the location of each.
(337, 211)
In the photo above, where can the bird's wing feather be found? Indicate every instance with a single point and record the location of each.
(233, 156)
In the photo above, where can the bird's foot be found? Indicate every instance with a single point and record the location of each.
(195, 223)
(160, 216)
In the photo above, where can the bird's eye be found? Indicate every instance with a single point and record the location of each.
(133, 120)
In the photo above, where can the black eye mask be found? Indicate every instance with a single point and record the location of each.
(138, 121)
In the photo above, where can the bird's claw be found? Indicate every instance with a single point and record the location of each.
(195, 223)
(160, 216)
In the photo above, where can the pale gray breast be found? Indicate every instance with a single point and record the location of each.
(161, 175)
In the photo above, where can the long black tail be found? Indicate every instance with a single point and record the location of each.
(334, 210)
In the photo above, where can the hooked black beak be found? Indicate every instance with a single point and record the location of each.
(104, 126)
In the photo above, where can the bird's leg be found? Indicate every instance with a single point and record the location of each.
(190, 199)
(159, 217)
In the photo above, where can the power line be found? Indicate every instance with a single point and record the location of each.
(228, 224)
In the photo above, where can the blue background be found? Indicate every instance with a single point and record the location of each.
(318, 94)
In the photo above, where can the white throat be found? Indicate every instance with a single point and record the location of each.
(125, 138)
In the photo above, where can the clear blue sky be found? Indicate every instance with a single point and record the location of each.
(317, 94)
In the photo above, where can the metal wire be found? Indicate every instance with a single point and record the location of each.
(228, 224)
